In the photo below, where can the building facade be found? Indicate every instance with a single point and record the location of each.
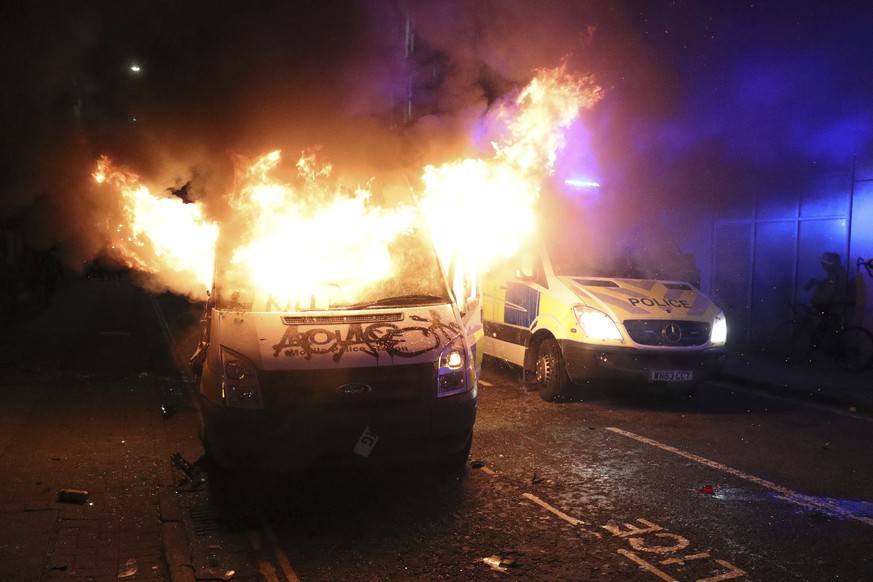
(758, 255)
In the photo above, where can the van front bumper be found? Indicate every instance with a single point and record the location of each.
(593, 362)
(293, 437)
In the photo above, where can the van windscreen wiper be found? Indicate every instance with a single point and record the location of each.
(399, 300)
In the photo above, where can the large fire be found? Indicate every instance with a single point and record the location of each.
(478, 210)
(160, 235)
(324, 239)
(502, 191)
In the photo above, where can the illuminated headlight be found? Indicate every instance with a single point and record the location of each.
(718, 337)
(596, 324)
(239, 382)
(452, 377)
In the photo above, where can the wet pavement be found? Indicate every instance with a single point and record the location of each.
(819, 379)
(88, 489)
(93, 402)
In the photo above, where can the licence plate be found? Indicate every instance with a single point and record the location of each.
(671, 375)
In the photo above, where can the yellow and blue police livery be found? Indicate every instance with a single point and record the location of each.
(564, 328)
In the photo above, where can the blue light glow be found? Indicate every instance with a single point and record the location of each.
(581, 184)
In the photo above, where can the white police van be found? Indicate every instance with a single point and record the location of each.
(564, 322)
(389, 377)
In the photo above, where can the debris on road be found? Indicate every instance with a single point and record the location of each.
(72, 496)
(707, 490)
(499, 564)
(130, 569)
(215, 573)
(192, 472)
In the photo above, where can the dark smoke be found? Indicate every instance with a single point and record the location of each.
(683, 84)
(222, 79)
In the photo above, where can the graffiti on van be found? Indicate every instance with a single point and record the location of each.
(375, 339)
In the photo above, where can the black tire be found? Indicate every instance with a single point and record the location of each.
(551, 373)
(854, 349)
(217, 461)
(792, 341)
(456, 463)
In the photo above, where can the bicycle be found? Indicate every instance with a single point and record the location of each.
(850, 347)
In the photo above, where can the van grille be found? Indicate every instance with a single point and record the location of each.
(348, 387)
(335, 319)
(667, 332)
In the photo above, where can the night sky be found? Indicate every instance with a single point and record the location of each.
(705, 102)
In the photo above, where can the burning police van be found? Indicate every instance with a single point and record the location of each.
(354, 370)
(564, 322)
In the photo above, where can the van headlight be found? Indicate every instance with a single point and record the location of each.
(239, 381)
(595, 324)
(718, 337)
(452, 374)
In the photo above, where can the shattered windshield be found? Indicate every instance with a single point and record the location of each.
(630, 257)
(414, 278)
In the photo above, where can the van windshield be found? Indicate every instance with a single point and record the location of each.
(414, 278)
(650, 260)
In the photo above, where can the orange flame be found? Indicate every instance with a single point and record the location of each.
(161, 235)
(296, 243)
(502, 192)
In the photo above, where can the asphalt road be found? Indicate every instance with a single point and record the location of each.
(614, 485)
(731, 484)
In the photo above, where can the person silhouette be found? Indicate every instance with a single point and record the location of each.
(829, 293)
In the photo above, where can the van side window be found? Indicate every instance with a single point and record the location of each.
(531, 268)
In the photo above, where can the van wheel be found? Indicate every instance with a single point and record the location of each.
(216, 459)
(551, 373)
(456, 463)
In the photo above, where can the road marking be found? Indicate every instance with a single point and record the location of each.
(784, 492)
(556, 511)
(265, 568)
(634, 535)
(645, 565)
(281, 557)
(486, 384)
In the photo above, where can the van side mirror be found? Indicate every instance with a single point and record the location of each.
(525, 272)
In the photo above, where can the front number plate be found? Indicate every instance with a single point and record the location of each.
(670, 375)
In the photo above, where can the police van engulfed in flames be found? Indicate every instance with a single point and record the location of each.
(355, 371)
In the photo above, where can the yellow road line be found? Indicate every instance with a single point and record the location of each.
(281, 556)
(556, 511)
(645, 565)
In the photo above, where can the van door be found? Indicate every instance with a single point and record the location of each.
(513, 303)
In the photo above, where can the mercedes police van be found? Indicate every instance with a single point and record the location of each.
(565, 321)
(388, 377)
